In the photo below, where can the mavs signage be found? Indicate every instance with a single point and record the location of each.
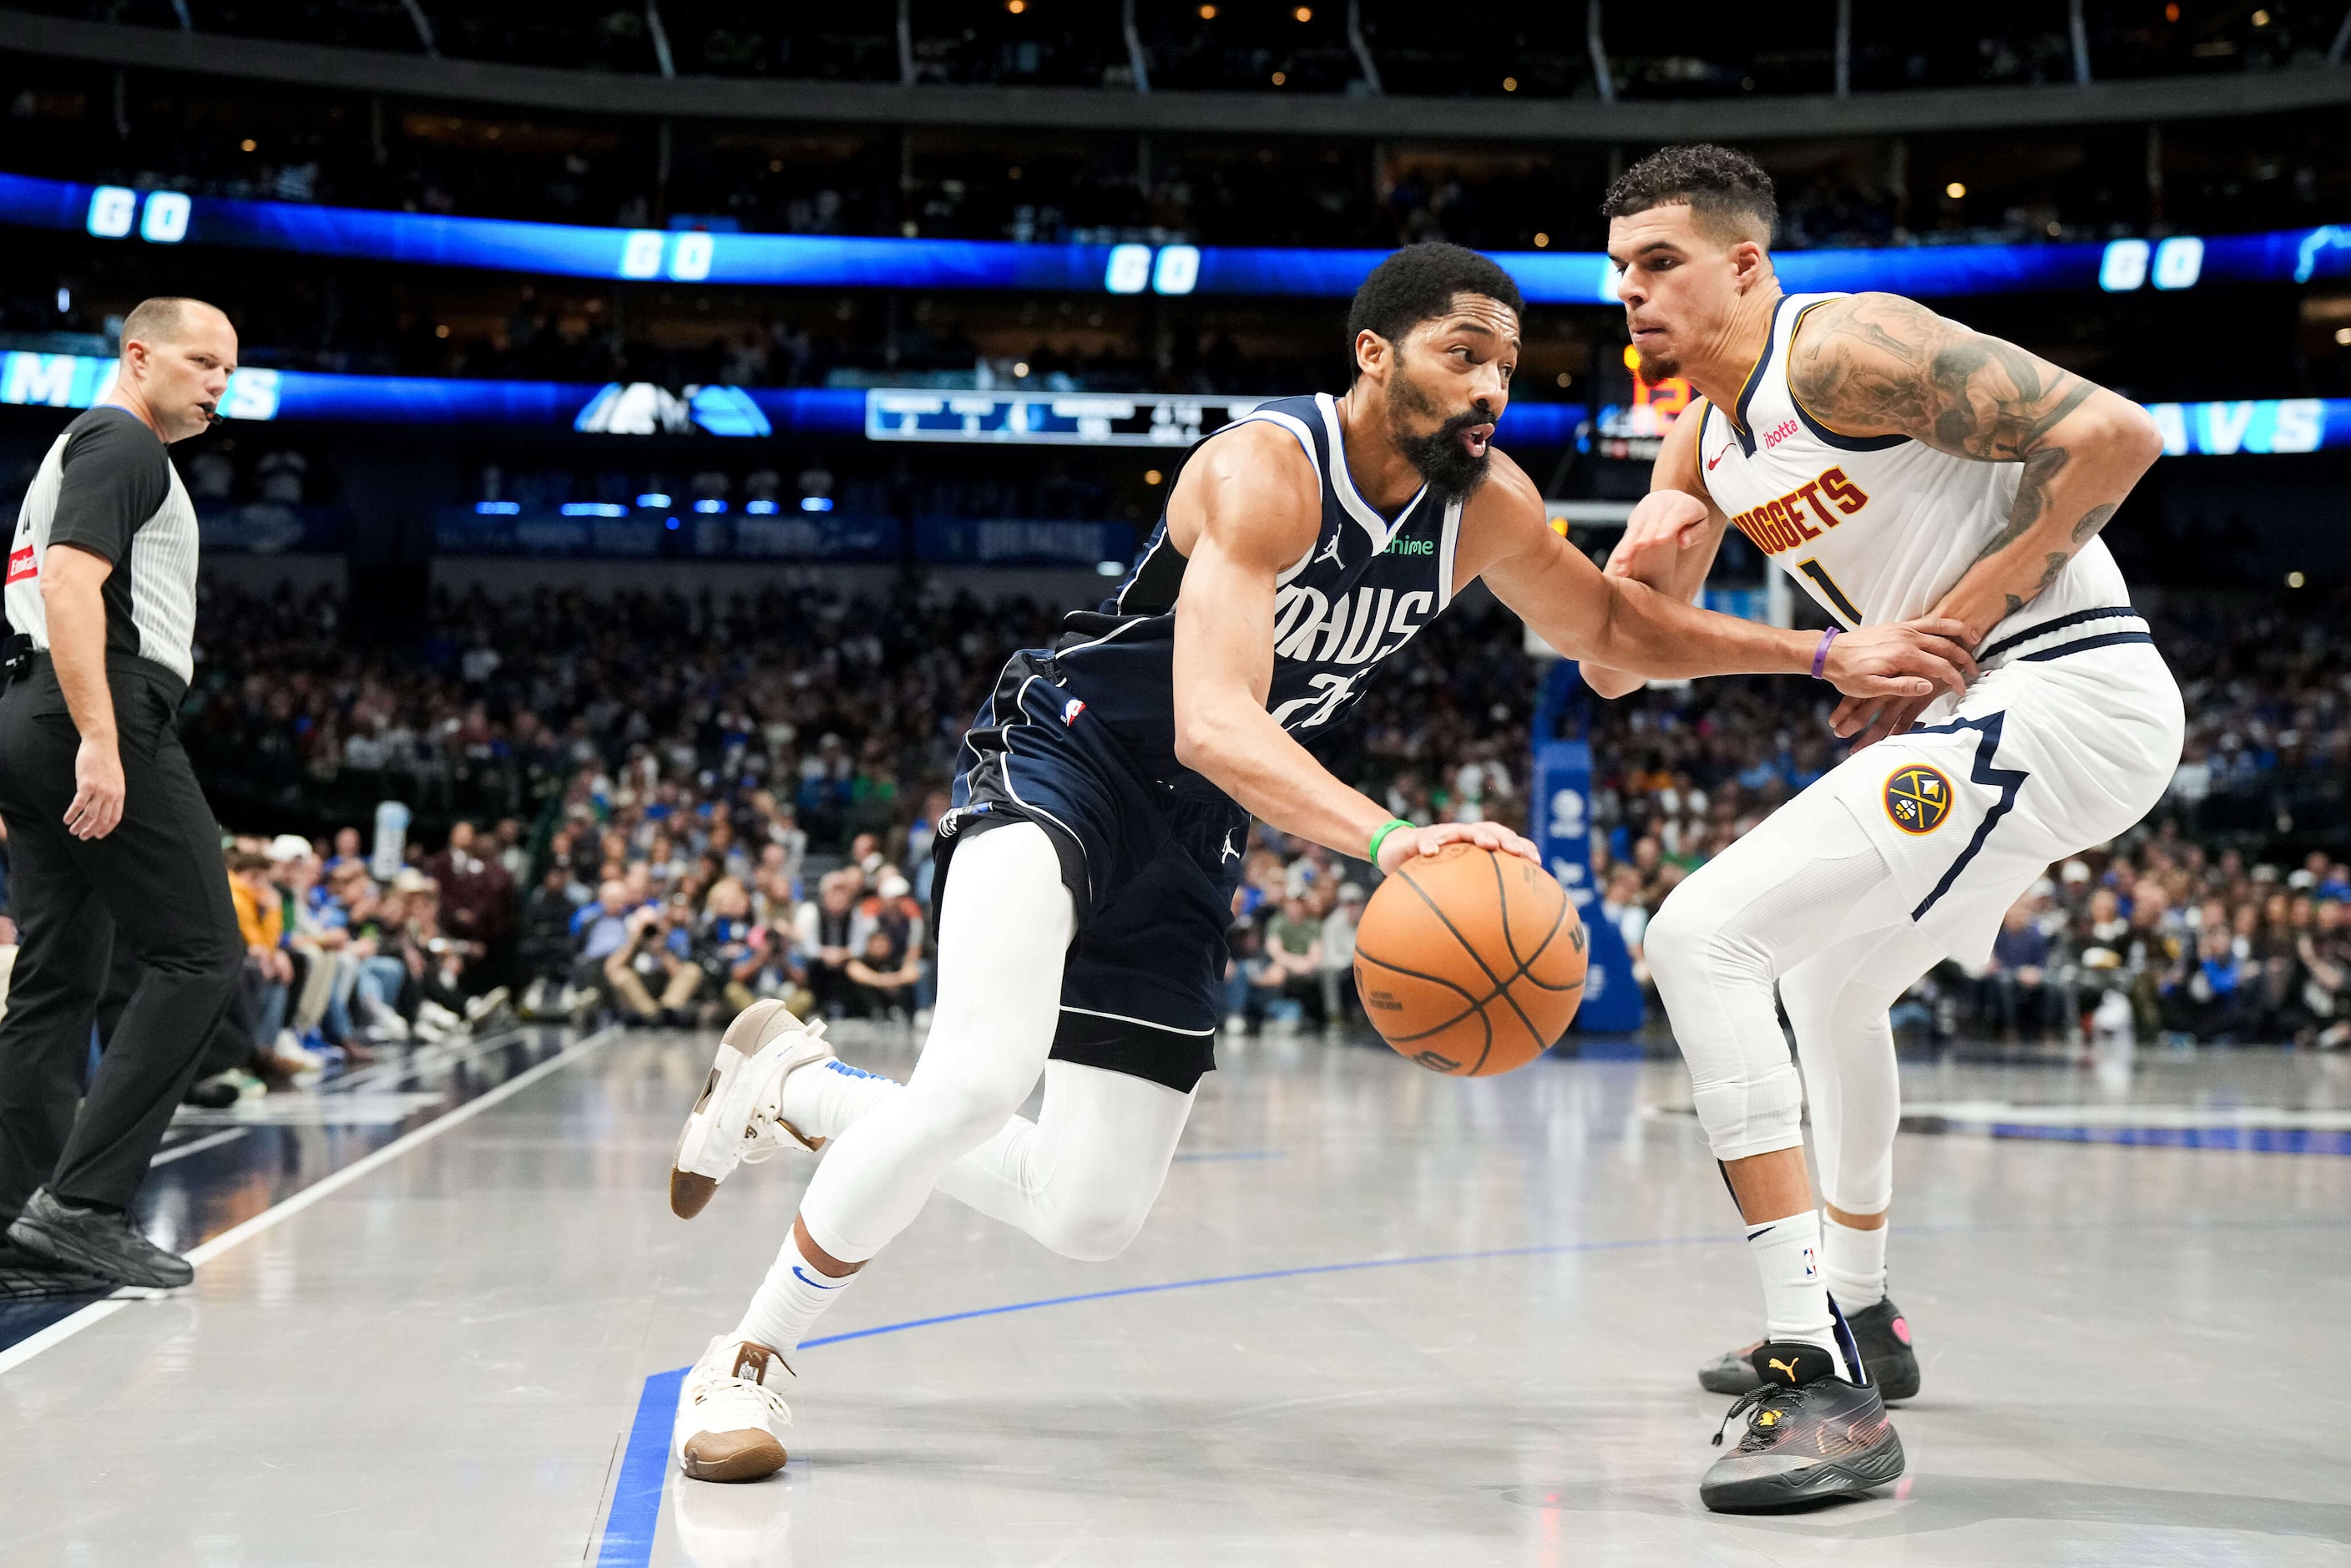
(1559, 805)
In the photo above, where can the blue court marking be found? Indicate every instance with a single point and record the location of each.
(636, 1500)
(1552, 1250)
(2256, 1140)
(644, 1471)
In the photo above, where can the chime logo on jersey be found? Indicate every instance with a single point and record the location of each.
(1917, 799)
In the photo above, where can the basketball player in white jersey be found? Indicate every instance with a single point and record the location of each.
(1088, 866)
(1895, 463)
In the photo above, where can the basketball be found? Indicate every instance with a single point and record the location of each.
(1468, 962)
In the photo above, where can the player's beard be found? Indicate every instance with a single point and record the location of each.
(1656, 367)
(1439, 457)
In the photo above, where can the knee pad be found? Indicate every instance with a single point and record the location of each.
(1752, 1113)
(1093, 1229)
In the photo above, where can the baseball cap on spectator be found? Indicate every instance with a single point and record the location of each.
(411, 880)
(287, 847)
(894, 886)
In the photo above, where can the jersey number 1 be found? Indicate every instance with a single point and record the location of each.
(1831, 592)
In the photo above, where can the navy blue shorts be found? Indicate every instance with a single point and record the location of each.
(1151, 866)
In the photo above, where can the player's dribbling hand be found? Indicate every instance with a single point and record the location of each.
(1404, 843)
(1663, 525)
(1919, 660)
(96, 804)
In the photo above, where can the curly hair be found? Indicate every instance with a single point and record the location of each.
(1726, 189)
(1418, 284)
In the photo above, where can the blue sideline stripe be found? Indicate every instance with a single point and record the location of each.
(2255, 1140)
(644, 1470)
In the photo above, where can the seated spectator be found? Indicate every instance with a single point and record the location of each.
(1289, 970)
(2020, 994)
(1621, 906)
(476, 898)
(544, 942)
(723, 947)
(268, 975)
(821, 929)
(1341, 1005)
(882, 974)
(657, 949)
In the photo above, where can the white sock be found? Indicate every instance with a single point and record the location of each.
(788, 1301)
(825, 1099)
(1852, 1262)
(1795, 1299)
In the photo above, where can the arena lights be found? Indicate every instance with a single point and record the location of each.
(1165, 421)
(1547, 277)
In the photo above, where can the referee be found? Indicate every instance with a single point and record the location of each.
(108, 832)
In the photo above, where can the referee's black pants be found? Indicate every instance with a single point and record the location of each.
(156, 882)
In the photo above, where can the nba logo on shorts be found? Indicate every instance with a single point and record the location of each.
(1917, 799)
(1070, 709)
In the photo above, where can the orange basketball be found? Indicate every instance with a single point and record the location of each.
(1468, 962)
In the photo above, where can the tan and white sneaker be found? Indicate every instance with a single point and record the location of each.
(736, 1121)
(730, 1417)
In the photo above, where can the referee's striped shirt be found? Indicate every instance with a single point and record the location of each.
(106, 487)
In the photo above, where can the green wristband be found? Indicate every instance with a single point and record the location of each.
(1380, 836)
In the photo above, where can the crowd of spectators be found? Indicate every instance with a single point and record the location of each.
(665, 806)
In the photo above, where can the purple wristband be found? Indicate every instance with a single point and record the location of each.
(1821, 653)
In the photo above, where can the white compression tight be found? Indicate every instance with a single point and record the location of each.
(1080, 1178)
(1807, 900)
(1838, 1001)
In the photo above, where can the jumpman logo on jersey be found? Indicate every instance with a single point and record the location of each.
(1330, 553)
(1231, 853)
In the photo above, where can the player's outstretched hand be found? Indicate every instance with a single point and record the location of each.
(1664, 523)
(1922, 659)
(1404, 843)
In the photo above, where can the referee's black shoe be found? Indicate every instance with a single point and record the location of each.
(1881, 1333)
(27, 1277)
(1811, 1435)
(96, 1241)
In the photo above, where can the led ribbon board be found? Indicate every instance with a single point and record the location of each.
(1548, 278)
(1167, 421)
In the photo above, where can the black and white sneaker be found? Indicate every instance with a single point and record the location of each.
(1882, 1334)
(1811, 1435)
(96, 1241)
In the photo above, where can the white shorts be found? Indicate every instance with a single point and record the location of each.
(2069, 741)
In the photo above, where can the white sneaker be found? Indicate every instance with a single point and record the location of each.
(489, 1001)
(290, 1049)
(736, 1120)
(432, 1013)
(730, 1417)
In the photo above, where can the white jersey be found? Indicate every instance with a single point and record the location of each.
(1875, 527)
(2070, 736)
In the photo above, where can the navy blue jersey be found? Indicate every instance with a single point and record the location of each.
(1355, 597)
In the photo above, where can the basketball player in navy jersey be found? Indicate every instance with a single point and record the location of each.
(1087, 869)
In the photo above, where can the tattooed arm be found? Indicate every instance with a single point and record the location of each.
(1877, 364)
